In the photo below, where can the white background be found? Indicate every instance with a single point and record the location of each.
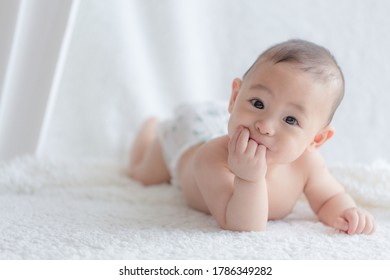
(128, 60)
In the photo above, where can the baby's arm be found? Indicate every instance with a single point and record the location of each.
(333, 205)
(248, 206)
(235, 193)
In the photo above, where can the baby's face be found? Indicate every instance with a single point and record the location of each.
(283, 108)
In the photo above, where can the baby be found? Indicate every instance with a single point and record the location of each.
(251, 165)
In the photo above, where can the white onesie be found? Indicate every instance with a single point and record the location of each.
(192, 124)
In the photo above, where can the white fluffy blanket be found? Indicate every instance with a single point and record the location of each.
(51, 209)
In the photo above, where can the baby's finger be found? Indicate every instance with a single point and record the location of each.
(370, 226)
(261, 152)
(352, 218)
(361, 223)
(251, 148)
(341, 224)
(234, 139)
(242, 141)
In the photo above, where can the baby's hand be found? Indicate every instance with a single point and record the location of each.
(355, 221)
(246, 158)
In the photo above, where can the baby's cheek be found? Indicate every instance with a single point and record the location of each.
(231, 129)
(288, 151)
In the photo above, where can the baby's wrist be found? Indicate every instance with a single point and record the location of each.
(249, 183)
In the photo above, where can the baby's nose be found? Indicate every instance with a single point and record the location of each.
(265, 127)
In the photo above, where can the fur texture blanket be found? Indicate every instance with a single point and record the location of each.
(52, 209)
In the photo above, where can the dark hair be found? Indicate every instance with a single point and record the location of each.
(311, 58)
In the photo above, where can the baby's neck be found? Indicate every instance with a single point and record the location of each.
(275, 169)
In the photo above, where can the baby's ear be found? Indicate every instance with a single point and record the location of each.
(322, 136)
(235, 90)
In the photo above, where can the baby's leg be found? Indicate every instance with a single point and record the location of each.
(147, 164)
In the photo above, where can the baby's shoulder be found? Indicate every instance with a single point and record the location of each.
(310, 162)
(312, 157)
(213, 151)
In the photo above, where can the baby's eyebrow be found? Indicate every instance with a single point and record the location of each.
(300, 108)
(261, 87)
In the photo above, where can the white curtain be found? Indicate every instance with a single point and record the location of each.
(34, 37)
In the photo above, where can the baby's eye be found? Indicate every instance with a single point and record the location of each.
(291, 120)
(257, 103)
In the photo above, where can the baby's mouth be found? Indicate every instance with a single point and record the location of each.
(260, 143)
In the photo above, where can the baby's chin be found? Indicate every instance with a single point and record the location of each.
(278, 159)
